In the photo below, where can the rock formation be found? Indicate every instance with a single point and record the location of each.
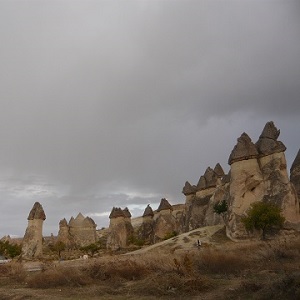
(80, 231)
(259, 173)
(295, 174)
(146, 231)
(246, 184)
(243, 150)
(120, 229)
(267, 143)
(164, 221)
(32, 246)
(200, 201)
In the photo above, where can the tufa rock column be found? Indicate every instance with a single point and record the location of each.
(33, 238)
(246, 186)
(120, 229)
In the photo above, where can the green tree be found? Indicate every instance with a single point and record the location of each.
(169, 235)
(221, 207)
(58, 247)
(91, 248)
(10, 250)
(263, 216)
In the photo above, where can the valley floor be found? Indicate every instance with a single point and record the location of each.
(175, 269)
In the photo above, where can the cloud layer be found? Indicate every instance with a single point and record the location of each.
(118, 103)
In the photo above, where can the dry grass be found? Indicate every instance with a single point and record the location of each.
(14, 271)
(56, 277)
(257, 270)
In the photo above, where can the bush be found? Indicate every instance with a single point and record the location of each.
(170, 235)
(136, 241)
(263, 216)
(91, 249)
(221, 207)
(10, 250)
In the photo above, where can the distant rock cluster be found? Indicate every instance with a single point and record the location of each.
(80, 231)
(258, 172)
(155, 226)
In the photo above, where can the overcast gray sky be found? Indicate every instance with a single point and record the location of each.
(118, 103)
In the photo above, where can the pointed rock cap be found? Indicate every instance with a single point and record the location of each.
(126, 212)
(244, 149)
(148, 211)
(89, 222)
(188, 189)
(164, 205)
(267, 143)
(116, 212)
(210, 178)
(80, 217)
(201, 183)
(219, 170)
(37, 212)
(63, 223)
(270, 131)
(296, 162)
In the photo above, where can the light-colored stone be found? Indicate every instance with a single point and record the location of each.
(120, 230)
(32, 246)
(80, 231)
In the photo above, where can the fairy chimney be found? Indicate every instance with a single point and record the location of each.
(120, 229)
(33, 238)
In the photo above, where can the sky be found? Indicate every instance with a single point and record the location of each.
(118, 103)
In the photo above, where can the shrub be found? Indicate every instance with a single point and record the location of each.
(136, 241)
(170, 235)
(10, 250)
(91, 248)
(263, 216)
(221, 207)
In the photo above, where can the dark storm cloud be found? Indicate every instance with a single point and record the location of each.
(117, 103)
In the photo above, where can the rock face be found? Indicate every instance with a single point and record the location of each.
(243, 150)
(199, 206)
(267, 143)
(295, 174)
(258, 172)
(146, 231)
(260, 176)
(33, 238)
(120, 229)
(80, 231)
(246, 185)
(164, 221)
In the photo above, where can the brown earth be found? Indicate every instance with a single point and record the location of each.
(173, 269)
